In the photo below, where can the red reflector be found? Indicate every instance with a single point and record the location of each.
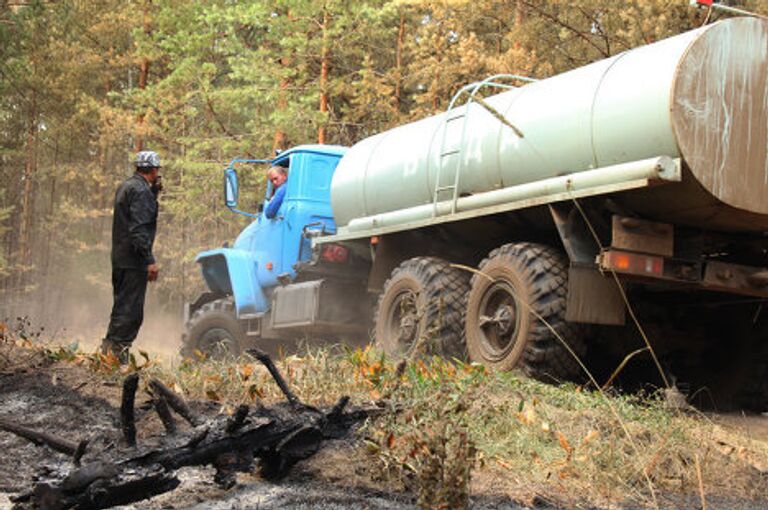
(334, 253)
(707, 3)
(633, 263)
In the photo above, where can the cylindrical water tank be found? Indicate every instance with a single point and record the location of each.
(700, 96)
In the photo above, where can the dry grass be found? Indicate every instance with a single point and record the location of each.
(451, 428)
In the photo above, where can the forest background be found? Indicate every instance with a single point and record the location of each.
(84, 84)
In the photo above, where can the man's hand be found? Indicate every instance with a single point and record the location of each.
(157, 185)
(152, 271)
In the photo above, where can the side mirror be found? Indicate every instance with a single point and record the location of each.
(230, 187)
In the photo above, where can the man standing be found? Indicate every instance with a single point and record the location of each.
(133, 232)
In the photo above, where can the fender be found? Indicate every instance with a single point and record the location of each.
(233, 271)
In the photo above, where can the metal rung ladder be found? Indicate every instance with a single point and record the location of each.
(472, 89)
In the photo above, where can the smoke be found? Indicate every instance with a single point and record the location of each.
(76, 309)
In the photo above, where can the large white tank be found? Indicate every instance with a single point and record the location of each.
(700, 96)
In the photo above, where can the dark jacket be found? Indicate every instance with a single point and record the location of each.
(134, 224)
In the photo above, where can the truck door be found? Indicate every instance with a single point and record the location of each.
(271, 237)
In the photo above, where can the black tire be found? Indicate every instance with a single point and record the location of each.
(421, 308)
(503, 333)
(214, 331)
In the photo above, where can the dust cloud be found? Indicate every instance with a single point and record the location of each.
(77, 310)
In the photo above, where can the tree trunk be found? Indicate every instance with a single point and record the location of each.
(519, 18)
(105, 181)
(280, 142)
(399, 63)
(324, 65)
(25, 218)
(143, 74)
(436, 92)
(47, 264)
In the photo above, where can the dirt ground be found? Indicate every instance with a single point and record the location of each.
(71, 402)
(74, 403)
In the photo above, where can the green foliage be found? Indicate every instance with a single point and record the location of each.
(230, 79)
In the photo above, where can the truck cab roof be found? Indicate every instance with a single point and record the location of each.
(334, 150)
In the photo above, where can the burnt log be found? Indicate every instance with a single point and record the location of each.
(161, 407)
(127, 416)
(40, 438)
(238, 419)
(278, 437)
(265, 360)
(79, 452)
(175, 401)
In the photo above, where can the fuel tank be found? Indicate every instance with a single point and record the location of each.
(700, 96)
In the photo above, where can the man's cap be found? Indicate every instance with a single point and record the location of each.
(147, 159)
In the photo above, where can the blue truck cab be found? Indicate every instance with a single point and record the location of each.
(247, 280)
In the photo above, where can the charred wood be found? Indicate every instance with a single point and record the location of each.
(79, 452)
(127, 416)
(265, 360)
(278, 437)
(238, 419)
(164, 412)
(175, 401)
(39, 438)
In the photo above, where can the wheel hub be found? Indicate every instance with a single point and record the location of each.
(407, 329)
(498, 319)
(217, 342)
(404, 320)
(503, 319)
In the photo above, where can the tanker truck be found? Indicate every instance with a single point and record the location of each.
(527, 216)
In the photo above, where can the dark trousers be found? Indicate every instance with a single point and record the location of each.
(128, 289)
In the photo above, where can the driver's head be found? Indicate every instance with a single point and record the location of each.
(277, 176)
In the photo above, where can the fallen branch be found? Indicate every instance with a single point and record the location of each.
(279, 437)
(39, 438)
(265, 360)
(127, 417)
(176, 402)
(79, 452)
(164, 412)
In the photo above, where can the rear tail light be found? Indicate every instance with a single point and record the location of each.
(335, 253)
(632, 263)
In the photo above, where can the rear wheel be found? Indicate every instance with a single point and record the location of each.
(516, 312)
(421, 309)
(214, 331)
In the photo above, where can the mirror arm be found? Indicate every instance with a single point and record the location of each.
(238, 211)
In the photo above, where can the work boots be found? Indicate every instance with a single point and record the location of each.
(119, 350)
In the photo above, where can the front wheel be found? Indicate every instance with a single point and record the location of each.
(213, 330)
(515, 314)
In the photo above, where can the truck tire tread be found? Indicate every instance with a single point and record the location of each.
(546, 270)
(220, 312)
(445, 288)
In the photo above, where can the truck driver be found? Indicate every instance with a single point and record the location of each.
(277, 175)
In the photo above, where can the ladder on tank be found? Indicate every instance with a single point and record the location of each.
(472, 89)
